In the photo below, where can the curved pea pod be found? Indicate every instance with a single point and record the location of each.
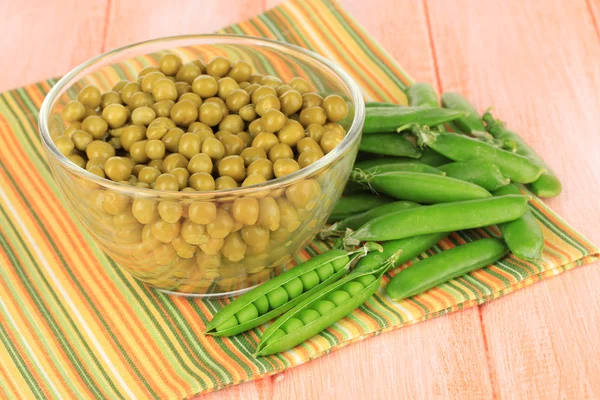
(422, 94)
(462, 148)
(358, 220)
(353, 187)
(468, 123)
(419, 187)
(388, 119)
(300, 324)
(444, 266)
(547, 184)
(447, 217)
(389, 144)
(479, 172)
(399, 251)
(356, 203)
(274, 297)
(523, 236)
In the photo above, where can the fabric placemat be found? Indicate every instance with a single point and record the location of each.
(73, 325)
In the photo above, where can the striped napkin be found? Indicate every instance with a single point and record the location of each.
(73, 325)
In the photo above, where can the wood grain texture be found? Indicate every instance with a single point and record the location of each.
(535, 61)
(543, 79)
(132, 21)
(41, 39)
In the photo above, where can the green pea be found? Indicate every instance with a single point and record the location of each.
(353, 287)
(323, 306)
(291, 325)
(340, 263)
(247, 313)
(309, 280)
(262, 304)
(293, 288)
(277, 297)
(366, 280)
(325, 271)
(307, 316)
(228, 323)
(338, 297)
(279, 333)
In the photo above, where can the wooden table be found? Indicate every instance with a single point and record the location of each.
(536, 61)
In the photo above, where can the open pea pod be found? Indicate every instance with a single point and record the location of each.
(283, 292)
(322, 309)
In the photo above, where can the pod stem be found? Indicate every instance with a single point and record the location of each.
(363, 178)
(348, 241)
(424, 135)
(331, 231)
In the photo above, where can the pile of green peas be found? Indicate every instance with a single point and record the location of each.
(197, 127)
(200, 127)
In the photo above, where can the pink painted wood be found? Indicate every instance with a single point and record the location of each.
(535, 61)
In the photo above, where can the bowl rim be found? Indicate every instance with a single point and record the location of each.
(351, 137)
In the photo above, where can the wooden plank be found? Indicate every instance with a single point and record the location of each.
(132, 21)
(440, 358)
(41, 40)
(528, 60)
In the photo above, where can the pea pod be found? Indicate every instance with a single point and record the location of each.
(433, 158)
(356, 203)
(523, 236)
(479, 172)
(419, 187)
(447, 217)
(389, 144)
(321, 310)
(421, 94)
(388, 119)
(371, 104)
(547, 184)
(462, 148)
(281, 293)
(444, 266)
(353, 187)
(358, 220)
(468, 123)
(429, 157)
(400, 251)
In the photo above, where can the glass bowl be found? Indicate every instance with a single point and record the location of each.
(292, 209)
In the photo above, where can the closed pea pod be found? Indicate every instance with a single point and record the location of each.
(421, 94)
(276, 295)
(446, 217)
(357, 220)
(479, 172)
(356, 203)
(548, 184)
(419, 187)
(523, 236)
(468, 123)
(353, 187)
(389, 144)
(444, 266)
(462, 148)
